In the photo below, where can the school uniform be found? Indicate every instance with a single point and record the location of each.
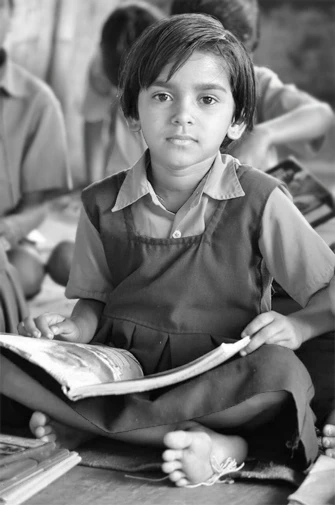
(170, 299)
(33, 157)
(33, 153)
(124, 147)
(274, 99)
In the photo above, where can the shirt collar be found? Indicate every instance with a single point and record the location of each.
(12, 80)
(135, 184)
(220, 183)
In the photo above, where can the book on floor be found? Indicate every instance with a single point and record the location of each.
(312, 198)
(28, 465)
(85, 370)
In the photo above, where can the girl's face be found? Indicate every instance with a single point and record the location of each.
(184, 120)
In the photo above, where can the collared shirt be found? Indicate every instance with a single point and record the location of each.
(33, 152)
(294, 253)
(125, 146)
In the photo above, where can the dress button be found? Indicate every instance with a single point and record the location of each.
(176, 234)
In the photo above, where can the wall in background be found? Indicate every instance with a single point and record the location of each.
(55, 39)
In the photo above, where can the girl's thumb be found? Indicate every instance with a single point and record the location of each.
(57, 329)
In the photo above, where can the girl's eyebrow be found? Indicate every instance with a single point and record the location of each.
(199, 87)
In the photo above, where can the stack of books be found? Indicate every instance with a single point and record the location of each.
(28, 465)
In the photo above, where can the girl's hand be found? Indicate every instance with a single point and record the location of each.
(50, 326)
(271, 328)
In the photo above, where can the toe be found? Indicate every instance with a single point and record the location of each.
(171, 466)
(38, 419)
(171, 455)
(328, 442)
(330, 453)
(178, 439)
(176, 476)
(329, 430)
(49, 438)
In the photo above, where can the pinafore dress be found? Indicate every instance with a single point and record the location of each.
(176, 299)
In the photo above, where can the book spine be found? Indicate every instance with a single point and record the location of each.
(24, 491)
(16, 468)
(39, 468)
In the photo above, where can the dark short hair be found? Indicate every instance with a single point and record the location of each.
(122, 27)
(241, 17)
(173, 41)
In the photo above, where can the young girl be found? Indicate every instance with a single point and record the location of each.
(175, 256)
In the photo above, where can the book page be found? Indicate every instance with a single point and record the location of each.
(72, 364)
(310, 196)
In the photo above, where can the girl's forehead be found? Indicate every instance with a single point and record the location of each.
(198, 65)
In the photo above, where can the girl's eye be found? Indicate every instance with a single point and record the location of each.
(162, 97)
(208, 100)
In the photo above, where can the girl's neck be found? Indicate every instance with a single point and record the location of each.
(175, 188)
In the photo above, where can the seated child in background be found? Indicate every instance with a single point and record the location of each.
(288, 120)
(13, 306)
(108, 142)
(33, 159)
(175, 256)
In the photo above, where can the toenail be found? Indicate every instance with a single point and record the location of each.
(325, 442)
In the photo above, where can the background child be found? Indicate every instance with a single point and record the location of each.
(175, 256)
(288, 120)
(107, 138)
(31, 165)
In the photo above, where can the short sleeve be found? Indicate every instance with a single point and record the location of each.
(274, 99)
(45, 164)
(89, 275)
(295, 255)
(98, 95)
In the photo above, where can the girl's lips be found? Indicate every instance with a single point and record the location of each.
(181, 139)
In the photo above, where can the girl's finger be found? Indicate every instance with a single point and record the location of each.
(258, 323)
(42, 324)
(29, 328)
(270, 334)
(22, 330)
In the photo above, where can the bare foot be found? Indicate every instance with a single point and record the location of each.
(328, 439)
(48, 430)
(188, 457)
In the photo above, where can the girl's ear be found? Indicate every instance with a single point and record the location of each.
(236, 130)
(134, 125)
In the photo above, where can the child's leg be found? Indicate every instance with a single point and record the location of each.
(189, 450)
(328, 431)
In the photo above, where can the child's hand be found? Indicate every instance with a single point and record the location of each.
(50, 326)
(271, 328)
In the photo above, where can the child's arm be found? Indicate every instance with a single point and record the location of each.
(95, 154)
(304, 123)
(79, 327)
(293, 330)
(30, 214)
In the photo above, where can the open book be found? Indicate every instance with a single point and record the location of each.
(313, 199)
(85, 370)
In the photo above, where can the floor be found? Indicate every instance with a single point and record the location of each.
(84, 485)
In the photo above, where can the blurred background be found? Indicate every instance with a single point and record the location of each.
(55, 39)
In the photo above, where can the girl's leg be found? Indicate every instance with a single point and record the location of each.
(189, 450)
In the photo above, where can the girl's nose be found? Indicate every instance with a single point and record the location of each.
(182, 114)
